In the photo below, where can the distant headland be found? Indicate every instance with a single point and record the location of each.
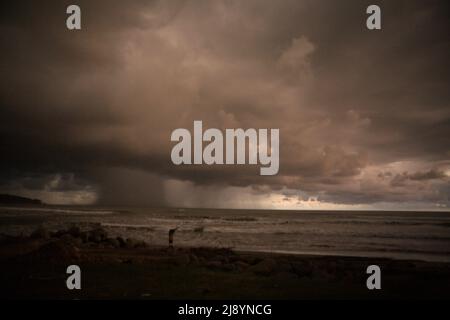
(8, 199)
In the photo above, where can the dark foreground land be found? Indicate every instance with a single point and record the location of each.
(113, 268)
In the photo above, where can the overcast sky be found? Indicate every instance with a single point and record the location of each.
(364, 116)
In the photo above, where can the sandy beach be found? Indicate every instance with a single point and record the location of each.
(34, 267)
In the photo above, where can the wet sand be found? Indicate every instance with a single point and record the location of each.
(35, 268)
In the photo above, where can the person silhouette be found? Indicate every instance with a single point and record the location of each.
(171, 234)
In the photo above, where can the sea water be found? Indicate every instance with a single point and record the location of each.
(400, 235)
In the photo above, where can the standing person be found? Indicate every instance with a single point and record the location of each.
(171, 233)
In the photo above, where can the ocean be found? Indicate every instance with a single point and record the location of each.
(399, 235)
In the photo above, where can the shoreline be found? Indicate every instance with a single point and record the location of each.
(356, 255)
(35, 268)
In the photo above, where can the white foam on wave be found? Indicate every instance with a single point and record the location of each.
(126, 225)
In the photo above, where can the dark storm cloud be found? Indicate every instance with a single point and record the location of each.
(98, 105)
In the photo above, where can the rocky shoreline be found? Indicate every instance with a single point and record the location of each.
(114, 267)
